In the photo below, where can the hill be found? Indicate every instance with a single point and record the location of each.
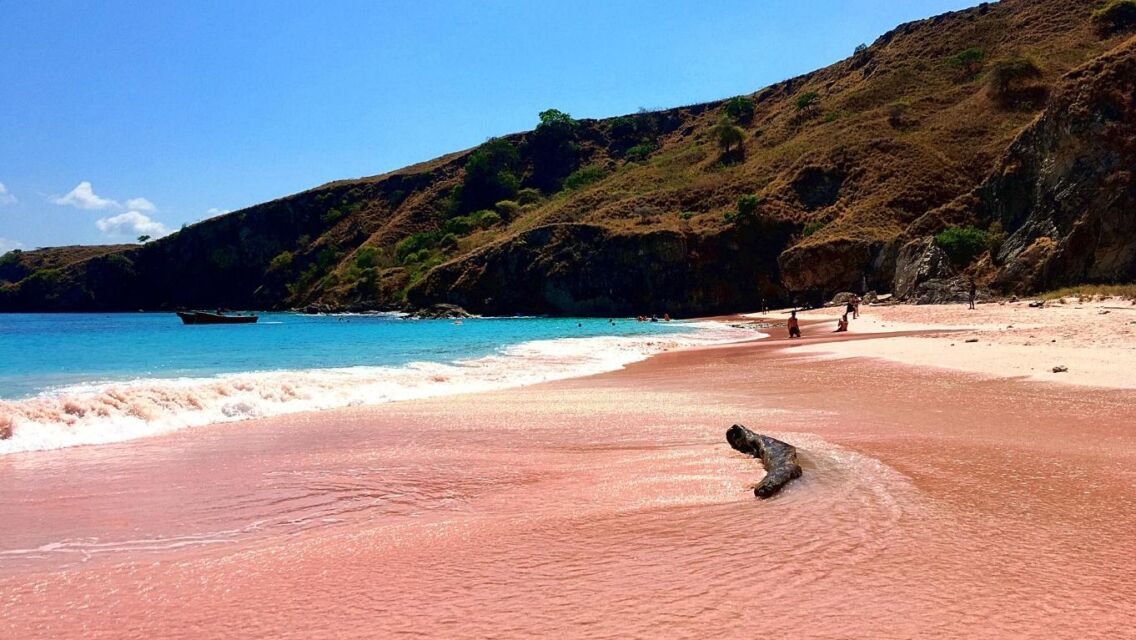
(994, 143)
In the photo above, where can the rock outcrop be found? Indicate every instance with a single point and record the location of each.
(1066, 190)
(577, 269)
(919, 262)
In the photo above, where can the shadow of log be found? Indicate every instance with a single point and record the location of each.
(779, 458)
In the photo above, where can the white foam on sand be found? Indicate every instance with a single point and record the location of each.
(103, 413)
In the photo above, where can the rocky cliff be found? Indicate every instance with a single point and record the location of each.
(887, 171)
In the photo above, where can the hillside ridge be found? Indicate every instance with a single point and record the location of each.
(944, 143)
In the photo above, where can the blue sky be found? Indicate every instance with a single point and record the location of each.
(121, 118)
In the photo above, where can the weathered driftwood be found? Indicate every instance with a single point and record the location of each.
(779, 458)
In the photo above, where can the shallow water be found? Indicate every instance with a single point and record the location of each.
(74, 379)
(608, 507)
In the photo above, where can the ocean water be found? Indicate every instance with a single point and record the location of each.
(71, 379)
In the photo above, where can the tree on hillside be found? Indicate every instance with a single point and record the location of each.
(728, 135)
(740, 109)
(807, 102)
(553, 149)
(490, 177)
(143, 238)
(1012, 81)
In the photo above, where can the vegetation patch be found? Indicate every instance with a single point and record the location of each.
(968, 61)
(1115, 16)
(1014, 82)
(963, 244)
(585, 176)
(1084, 292)
(740, 109)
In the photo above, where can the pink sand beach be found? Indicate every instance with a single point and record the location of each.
(935, 502)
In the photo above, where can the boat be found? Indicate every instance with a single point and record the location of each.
(206, 317)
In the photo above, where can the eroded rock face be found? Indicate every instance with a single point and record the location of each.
(835, 265)
(581, 269)
(1066, 190)
(918, 262)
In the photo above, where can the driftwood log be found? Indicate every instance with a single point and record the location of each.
(779, 458)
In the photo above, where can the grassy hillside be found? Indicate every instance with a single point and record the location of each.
(804, 188)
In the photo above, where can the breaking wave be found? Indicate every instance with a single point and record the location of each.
(112, 412)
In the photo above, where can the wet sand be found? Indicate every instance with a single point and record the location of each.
(934, 503)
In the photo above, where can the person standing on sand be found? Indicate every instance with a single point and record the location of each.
(855, 307)
(973, 294)
(794, 326)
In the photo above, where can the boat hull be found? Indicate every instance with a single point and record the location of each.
(201, 317)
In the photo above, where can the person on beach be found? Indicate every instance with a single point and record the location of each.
(849, 307)
(666, 317)
(842, 324)
(794, 325)
(973, 294)
(855, 308)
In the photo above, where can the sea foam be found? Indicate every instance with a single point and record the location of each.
(113, 412)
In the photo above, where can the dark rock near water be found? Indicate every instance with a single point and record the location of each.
(1060, 369)
(588, 270)
(442, 312)
(779, 458)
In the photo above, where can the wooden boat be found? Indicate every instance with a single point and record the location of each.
(205, 317)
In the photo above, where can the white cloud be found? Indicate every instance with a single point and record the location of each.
(141, 204)
(84, 197)
(6, 197)
(214, 211)
(131, 224)
(7, 245)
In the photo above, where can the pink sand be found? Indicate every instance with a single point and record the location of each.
(934, 504)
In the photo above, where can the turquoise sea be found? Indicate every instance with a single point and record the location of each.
(70, 379)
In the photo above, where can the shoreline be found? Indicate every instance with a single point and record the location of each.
(604, 503)
(1095, 342)
(102, 413)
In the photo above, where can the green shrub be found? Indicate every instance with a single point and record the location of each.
(461, 225)
(585, 176)
(808, 101)
(687, 215)
(740, 109)
(861, 49)
(282, 261)
(1115, 16)
(528, 195)
(415, 243)
(970, 61)
(624, 129)
(366, 257)
(728, 134)
(485, 219)
(490, 177)
(747, 209)
(963, 244)
(553, 149)
(639, 153)
(508, 209)
(448, 241)
(1009, 78)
